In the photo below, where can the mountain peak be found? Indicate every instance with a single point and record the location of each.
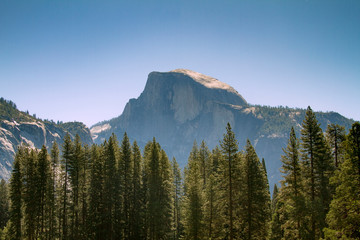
(205, 80)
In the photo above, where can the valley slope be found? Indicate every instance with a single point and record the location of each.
(18, 127)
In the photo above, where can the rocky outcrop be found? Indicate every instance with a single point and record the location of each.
(20, 128)
(182, 106)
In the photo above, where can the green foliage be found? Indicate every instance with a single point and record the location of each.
(113, 192)
(335, 135)
(344, 215)
(291, 195)
(280, 120)
(194, 199)
(15, 228)
(4, 203)
(159, 192)
(229, 148)
(276, 217)
(178, 193)
(9, 112)
(255, 198)
(317, 168)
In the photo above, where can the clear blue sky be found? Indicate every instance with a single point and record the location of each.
(82, 60)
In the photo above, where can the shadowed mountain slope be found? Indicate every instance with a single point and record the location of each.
(181, 106)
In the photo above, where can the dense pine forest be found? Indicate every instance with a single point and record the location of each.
(116, 191)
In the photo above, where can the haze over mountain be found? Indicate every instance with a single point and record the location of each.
(183, 106)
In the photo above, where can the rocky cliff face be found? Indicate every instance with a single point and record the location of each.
(182, 106)
(20, 128)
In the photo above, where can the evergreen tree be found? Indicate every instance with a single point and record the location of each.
(136, 209)
(317, 167)
(112, 189)
(267, 207)
(31, 195)
(44, 186)
(166, 196)
(67, 155)
(158, 193)
(54, 193)
(126, 172)
(96, 223)
(335, 135)
(204, 155)
(344, 215)
(15, 228)
(255, 209)
(292, 191)
(353, 146)
(214, 219)
(229, 148)
(74, 168)
(84, 191)
(177, 183)
(276, 231)
(193, 198)
(4, 204)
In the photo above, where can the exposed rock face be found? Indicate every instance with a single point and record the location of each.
(181, 106)
(34, 133)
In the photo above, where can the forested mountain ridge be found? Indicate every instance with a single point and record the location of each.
(181, 106)
(17, 127)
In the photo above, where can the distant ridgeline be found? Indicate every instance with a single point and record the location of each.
(17, 127)
(114, 190)
(181, 106)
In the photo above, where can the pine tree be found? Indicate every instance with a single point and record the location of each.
(158, 182)
(31, 195)
(74, 168)
(15, 228)
(4, 204)
(353, 146)
(267, 205)
(229, 148)
(112, 189)
(255, 208)
(67, 155)
(292, 191)
(344, 215)
(126, 173)
(214, 219)
(276, 231)
(166, 196)
(84, 190)
(54, 193)
(204, 155)
(136, 221)
(193, 197)
(317, 167)
(44, 185)
(96, 222)
(177, 183)
(335, 135)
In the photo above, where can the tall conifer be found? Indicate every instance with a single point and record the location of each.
(317, 167)
(16, 187)
(126, 173)
(67, 155)
(229, 148)
(193, 197)
(136, 209)
(254, 200)
(335, 135)
(292, 191)
(344, 215)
